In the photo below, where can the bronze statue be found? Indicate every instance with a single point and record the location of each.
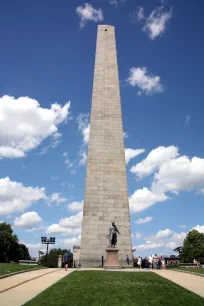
(113, 231)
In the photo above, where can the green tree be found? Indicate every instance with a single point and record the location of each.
(193, 247)
(52, 259)
(179, 250)
(10, 249)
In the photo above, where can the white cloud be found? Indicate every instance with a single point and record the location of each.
(28, 220)
(173, 173)
(55, 198)
(88, 13)
(144, 220)
(82, 161)
(139, 14)
(138, 235)
(154, 160)
(14, 197)
(183, 226)
(131, 153)
(84, 126)
(116, 3)
(66, 160)
(75, 206)
(155, 23)
(147, 83)
(143, 198)
(187, 118)
(166, 239)
(149, 245)
(179, 174)
(24, 125)
(73, 221)
(86, 132)
(57, 229)
(35, 246)
(125, 135)
(73, 241)
(164, 233)
(199, 228)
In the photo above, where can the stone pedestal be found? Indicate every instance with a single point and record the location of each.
(112, 259)
(59, 261)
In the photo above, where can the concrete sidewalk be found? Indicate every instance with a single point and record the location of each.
(28, 285)
(188, 281)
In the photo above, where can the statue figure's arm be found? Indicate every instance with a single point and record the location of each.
(117, 230)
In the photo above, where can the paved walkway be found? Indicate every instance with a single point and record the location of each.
(18, 289)
(188, 281)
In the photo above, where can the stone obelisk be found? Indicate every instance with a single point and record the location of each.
(106, 194)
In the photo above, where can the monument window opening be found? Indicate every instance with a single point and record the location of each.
(106, 30)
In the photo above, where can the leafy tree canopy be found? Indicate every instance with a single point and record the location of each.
(193, 247)
(10, 249)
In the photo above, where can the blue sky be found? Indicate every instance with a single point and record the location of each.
(47, 57)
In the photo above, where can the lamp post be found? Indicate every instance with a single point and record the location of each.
(45, 240)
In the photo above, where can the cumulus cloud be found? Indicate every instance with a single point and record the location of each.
(183, 226)
(24, 124)
(55, 198)
(149, 245)
(75, 206)
(28, 220)
(173, 173)
(88, 13)
(155, 23)
(131, 153)
(179, 174)
(154, 160)
(199, 228)
(67, 226)
(164, 233)
(73, 241)
(73, 221)
(144, 220)
(57, 229)
(144, 198)
(15, 197)
(166, 239)
(147, 83)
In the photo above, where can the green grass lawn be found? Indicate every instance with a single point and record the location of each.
(196, 270)
(100, 288)
(9, 268)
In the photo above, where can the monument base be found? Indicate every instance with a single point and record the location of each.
(112, 259)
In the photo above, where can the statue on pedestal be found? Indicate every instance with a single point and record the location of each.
(113, 231)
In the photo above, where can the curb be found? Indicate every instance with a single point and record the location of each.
(189, 272)
(19, 272)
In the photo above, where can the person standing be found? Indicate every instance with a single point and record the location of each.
(66, 260)
(163, 263)
(127, 260)
(140, 262)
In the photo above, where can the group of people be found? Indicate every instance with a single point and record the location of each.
(153, 262)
